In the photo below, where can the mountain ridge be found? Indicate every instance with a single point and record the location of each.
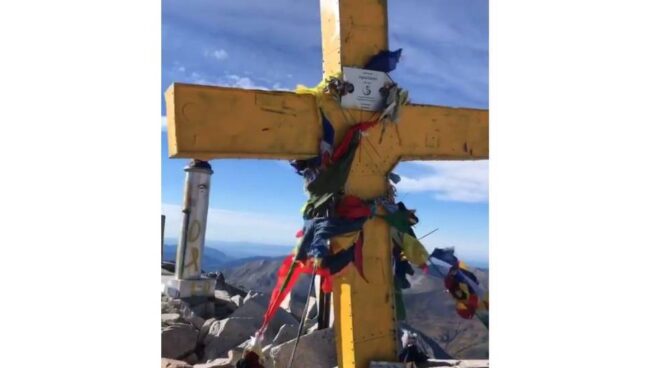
(242, 249)
(429, 308)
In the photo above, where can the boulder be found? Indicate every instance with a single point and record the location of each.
(295, 306)
(285, 333)
(237, 300)
(314, 350)
(172, 363)
(191, 359)
(178, 340)
(168, 266)
(220, 280)
(311, 325)
(170, 305)
(255, 306)
(185, 311)
(252, 294)
(216, 363)
(191, 315)
(203, 310)
(223, 310)
(313, 308)
(430, 363)
(386, 365)
(436, 363)
(228, 362)
(169, 318)
(205, 328)
(222, 295)
(227, 333)
(458, 363)
(267, 361)
(232, 290)
(424, 342)
(195, 321)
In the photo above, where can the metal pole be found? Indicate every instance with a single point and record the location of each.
(303, 315)
(163, 223)
(194, 219)
(323, 308)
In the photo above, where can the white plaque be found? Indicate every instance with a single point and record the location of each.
(366, 92)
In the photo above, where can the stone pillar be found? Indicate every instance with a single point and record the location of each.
(188, 282)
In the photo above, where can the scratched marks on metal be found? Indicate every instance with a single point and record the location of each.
(372, 159)
(431, 140)
(366, 92)
(277, 104)
(192, 112)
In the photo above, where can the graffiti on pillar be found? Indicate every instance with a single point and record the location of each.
(195, 256)
(192, 235)
(194, 231)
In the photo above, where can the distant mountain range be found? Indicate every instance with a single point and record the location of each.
(242, 249)
(235, 253)
(212, 258)
(219, 255)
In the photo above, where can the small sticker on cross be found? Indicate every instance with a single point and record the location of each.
(367, 85)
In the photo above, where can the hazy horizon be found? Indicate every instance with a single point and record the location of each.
(239, 249)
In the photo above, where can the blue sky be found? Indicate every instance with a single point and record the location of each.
(276, 44)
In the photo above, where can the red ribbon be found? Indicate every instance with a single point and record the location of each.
(348, 137)
(280, 292)
(351, 207)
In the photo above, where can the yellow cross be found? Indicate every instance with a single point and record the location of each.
(214, 122)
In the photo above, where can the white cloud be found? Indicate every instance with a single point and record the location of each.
(444, 44)
(163, 123)
(230, 80)
(242, 82)
(220, 54)
(229, 225)
(459, 181)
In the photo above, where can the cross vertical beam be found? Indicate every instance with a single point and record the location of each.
(351, 32)
(365, 325)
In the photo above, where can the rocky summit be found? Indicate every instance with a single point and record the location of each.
(196, 338)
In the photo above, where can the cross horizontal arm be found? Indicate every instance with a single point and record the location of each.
(216, 122)
(443, 133)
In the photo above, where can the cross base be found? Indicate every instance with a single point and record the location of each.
(184, 289)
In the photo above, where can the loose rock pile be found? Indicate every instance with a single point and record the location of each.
(190, 341)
